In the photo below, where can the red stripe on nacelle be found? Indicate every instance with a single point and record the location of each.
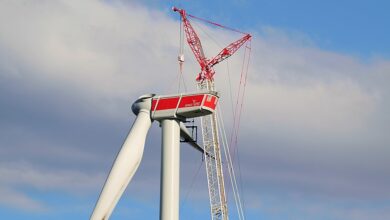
(211, 102)
(191, 101)
(165, 103)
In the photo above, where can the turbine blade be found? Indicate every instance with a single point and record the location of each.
(123, 168)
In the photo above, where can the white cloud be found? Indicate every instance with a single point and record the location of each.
(14, 198)
(18, 178)
(72, 181)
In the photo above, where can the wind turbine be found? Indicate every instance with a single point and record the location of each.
(171, 111)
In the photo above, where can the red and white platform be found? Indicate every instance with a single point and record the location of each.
(185, 105)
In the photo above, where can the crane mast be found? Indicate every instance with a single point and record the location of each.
(210, 136)
(216, 185)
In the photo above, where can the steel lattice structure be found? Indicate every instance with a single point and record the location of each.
(211, 145)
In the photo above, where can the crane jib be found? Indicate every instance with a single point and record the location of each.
(197, 49)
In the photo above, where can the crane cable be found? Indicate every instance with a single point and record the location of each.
(179, 77)
(228, 158)
(240, 98)
(236, 127)
(216, 24)
(247, 47)
(181, 58)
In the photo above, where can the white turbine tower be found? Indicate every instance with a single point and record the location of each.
(170, 111)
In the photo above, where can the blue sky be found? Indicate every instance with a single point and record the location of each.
(314, 136)
(353, 27)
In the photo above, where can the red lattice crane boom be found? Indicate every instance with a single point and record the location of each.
(229, 50)
(206, 65)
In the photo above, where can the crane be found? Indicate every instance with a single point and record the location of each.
(210, 136)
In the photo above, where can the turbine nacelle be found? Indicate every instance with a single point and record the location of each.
(183, 106)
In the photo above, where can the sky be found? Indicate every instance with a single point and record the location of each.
(313, 142)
